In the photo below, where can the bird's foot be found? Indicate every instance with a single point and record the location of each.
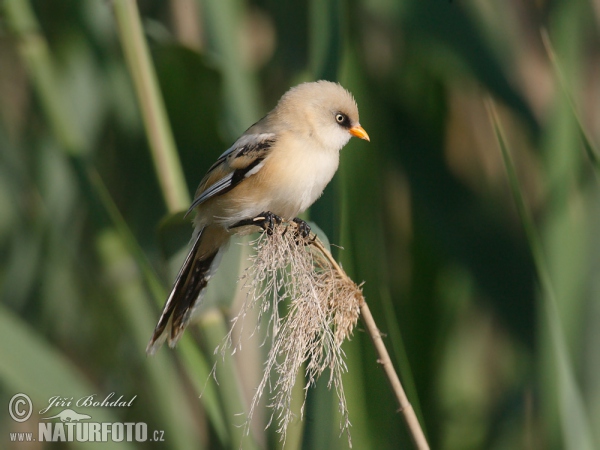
(302, 228)
(266, 220)
(302, 231)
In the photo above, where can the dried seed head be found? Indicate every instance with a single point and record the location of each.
(323, 308)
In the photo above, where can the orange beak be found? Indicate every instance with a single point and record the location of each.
(359, 132)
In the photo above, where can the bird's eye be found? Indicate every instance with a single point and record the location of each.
(340, 118)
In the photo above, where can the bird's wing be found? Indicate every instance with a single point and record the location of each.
(243, 159)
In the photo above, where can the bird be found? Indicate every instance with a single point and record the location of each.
(276, 170)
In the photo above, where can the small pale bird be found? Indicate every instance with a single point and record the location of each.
(275, 170)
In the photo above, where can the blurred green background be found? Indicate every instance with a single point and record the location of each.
(472, 216)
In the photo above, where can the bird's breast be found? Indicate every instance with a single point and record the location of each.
(289, 181)
(297, 178)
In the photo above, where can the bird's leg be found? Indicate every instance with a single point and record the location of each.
(266, 220)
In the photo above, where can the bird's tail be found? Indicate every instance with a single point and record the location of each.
(188, 289)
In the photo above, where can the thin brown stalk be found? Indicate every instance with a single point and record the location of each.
(404, 405)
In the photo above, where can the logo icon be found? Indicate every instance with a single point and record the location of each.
(71, 426)
(20, 407)
(68, 415)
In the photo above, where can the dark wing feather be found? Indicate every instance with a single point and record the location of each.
(241, 160)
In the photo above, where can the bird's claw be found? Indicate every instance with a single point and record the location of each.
(302, 231)
(267, 221)
(302, 228)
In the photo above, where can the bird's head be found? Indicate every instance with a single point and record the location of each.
(324, 111)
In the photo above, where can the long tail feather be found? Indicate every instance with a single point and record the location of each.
(185, 296)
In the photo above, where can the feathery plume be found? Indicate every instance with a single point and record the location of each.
(323, 306)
